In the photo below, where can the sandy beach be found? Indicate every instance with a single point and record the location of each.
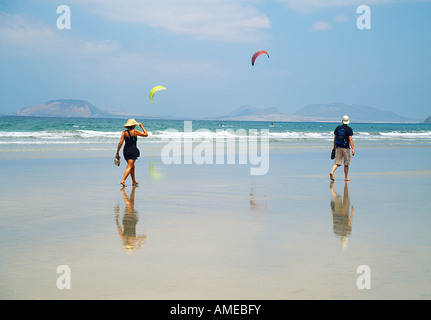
(215, 231)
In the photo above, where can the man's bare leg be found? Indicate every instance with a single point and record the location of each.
(346, 173)
(331, 174)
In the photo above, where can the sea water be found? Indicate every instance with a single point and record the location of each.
(83, 133)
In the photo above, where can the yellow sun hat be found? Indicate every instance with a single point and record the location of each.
(131, 123)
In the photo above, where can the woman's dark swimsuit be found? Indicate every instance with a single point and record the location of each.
(130, 150)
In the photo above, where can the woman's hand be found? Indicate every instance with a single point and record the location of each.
(145, 133)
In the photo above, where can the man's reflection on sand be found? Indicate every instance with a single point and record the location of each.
(341, 215)
(127, 232)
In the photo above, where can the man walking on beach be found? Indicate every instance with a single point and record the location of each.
(342, 142)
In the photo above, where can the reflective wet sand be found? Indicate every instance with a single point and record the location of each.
(215, 231)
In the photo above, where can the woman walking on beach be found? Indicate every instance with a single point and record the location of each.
(130, 150)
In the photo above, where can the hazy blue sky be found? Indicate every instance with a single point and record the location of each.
(200, 50)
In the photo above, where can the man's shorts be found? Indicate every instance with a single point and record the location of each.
(340, 154)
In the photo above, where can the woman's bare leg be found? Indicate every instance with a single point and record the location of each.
(132, 175)
(130, 165)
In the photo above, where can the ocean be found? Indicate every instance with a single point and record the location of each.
(41, 133)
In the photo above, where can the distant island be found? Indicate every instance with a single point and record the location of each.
(246, 113)
(62, 108)
(428, 120)
(358, 113)
(318, 113)
(313, 113)
(73, 108)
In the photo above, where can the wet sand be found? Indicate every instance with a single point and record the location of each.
(215, 231)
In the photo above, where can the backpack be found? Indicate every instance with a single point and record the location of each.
(340, 138)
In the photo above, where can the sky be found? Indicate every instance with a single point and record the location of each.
(113, 53)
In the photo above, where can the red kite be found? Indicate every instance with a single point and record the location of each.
(258, 53)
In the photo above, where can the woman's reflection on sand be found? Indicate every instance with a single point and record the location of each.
(341, 215)
(127, 232)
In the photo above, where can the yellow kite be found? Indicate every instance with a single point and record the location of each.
(154, 90)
